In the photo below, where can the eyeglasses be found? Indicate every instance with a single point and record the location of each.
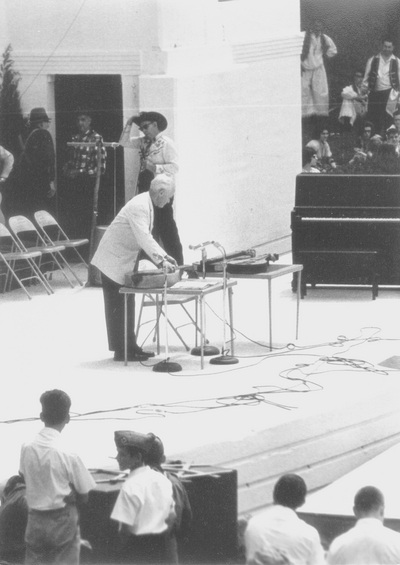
(145, 126)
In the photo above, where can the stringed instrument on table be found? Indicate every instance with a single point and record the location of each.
(215, 264)
(251, 266)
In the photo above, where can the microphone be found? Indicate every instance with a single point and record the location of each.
(199, 245)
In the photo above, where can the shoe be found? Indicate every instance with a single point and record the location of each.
(136, 354)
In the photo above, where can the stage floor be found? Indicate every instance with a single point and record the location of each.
(320, 406)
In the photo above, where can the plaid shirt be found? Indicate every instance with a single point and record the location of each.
(84, 159)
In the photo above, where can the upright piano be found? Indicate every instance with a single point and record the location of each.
(346, 228)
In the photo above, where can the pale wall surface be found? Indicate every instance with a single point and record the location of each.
(226, 75)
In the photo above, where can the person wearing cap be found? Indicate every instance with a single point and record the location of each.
(80, 171)
(158, 155)
(181, 526)
(130, 233)
(37, 165)
(57, 483)
(6, 166)
(144, 508)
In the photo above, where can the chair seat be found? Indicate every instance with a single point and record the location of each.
(15, 255)
(48, 249)
(72, 242)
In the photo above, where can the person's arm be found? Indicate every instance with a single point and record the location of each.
(126, 140)
(332, 49)
(366, 74)
(170, 154)
(8, 163)
(139, 222)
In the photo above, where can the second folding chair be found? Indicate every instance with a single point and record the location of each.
(53, 233)
(29, 239)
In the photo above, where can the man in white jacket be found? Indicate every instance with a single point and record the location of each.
(116, 255)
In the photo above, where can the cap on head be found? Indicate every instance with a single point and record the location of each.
(128, 438)
(38, 115)
(161, 120)
(391, 129)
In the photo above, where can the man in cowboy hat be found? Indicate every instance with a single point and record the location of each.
(158, 154)
(145, 504)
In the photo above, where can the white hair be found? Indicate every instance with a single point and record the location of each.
(162, 179)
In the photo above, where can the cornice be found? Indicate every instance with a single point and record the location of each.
(95, 62)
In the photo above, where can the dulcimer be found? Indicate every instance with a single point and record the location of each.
(251, 266)
(216, 264)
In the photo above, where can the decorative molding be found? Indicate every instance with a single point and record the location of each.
(244, 53)
(63, 63)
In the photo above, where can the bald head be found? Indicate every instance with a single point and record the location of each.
(162, 189)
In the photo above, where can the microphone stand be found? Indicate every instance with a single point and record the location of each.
(208, 350)
(223, 359)
(166, 366)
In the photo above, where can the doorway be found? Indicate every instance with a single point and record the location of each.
(103, 95)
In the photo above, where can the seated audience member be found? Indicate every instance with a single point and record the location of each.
(323, 151)
(145, 505)
(392, 137)
(369, 541)
(277, 536)
(309, 161)
(355, 102)
(13, 520)
(363, 143)
(181, 527)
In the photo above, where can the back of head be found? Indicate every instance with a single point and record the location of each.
(308, 154)
(55, 406)
(368, 500)
(290, 491)
(155, 457)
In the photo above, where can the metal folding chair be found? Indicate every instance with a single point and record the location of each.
(53, 233)
(157, 301)
(10, 254)
(29, 239)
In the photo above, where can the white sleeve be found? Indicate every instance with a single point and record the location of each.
(126, 140)
(332, 49)
(348, 93)
(170, 165)
(140, 225)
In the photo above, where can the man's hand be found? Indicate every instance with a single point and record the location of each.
(52, 190)
(171, 260)
(170, 267)
(130, 120)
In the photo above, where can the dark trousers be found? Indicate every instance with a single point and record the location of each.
(165, 230)
(79, 203)
(377, 114)
(151, 549)
(114, 311)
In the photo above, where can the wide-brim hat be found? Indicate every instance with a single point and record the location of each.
(161, 120)
(38, 115)
(128, 438)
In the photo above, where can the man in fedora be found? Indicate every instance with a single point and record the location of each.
(158, 155)
(81, 171)
(37, 165)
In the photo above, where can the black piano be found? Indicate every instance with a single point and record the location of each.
(346, 229)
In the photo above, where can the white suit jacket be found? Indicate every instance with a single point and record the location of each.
(129, 232)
